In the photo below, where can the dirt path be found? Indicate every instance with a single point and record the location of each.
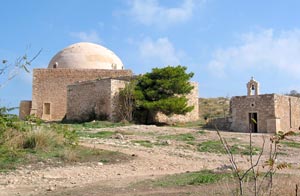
(147, 163)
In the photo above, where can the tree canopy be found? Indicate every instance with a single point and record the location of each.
(163, 90)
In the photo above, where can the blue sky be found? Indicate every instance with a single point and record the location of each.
(224, 42)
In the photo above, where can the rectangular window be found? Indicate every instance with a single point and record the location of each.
(46, 109)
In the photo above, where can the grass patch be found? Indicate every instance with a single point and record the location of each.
(10, 160)
(48, 144)
(201, 132)
(100, 134)
(84, 154)
(179, 137)
(291, 144)
(192, 178)
(97, 124)
(191, 143)
(145, 143)
(215, 146)
(198, 123)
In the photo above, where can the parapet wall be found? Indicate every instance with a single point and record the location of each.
(50, 86)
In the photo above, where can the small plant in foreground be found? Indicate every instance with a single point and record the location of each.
(261, 181)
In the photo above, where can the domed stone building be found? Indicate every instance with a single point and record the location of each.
(74, 64)
(82, 82)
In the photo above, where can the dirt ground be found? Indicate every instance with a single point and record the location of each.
(169, 157)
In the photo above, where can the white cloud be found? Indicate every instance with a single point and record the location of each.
(264, 49)
(91, 36)
(160, 51)
(149, 12)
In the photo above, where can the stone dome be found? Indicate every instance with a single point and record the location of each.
(86, 55)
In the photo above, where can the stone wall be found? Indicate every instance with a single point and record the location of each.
(190, 116)
(97, 99)
(223, 123)
(241, 106)
(116, 86)
(287, 110)
(50, 86)
(24, 109)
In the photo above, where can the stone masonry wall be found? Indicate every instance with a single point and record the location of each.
(116, 86)
(287, 109)
(50, 86)
(222, 123)
(97, 99)
(190, 116)
(89, 100)
(24, 109)
(241, 106)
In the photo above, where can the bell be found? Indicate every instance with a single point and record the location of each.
(252, 87)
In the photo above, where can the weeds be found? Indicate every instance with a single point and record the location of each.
(97, 124)
(214, 146)
(100, 134)
(31, 141)
(291, 144)
(145, 143)
(192, 178)
(179, 137)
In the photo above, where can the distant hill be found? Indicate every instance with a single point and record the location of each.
(213, 107)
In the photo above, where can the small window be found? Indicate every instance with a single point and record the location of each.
(47, 108)
(55, 65)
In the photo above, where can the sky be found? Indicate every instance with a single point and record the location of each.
(224, 42)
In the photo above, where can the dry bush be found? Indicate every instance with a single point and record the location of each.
(14, 139)
(70, 155)
(43, 140)
(282, 185)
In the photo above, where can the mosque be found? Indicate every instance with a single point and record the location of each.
(82, 82)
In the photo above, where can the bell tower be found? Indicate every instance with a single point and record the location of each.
(252, 87)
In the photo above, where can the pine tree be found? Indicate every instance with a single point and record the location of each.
(163, 90)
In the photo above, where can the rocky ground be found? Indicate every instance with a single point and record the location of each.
(165, 155)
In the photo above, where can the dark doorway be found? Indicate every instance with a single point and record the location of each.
(253, 124)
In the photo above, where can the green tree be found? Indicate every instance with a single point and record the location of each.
(163, 90)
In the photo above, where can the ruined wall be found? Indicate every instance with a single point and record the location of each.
(24, 109)
(97, 99)
(222, 123)
(116, 86)
(287, 110)
(50, 86)
(241, 106)
(190, 116)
